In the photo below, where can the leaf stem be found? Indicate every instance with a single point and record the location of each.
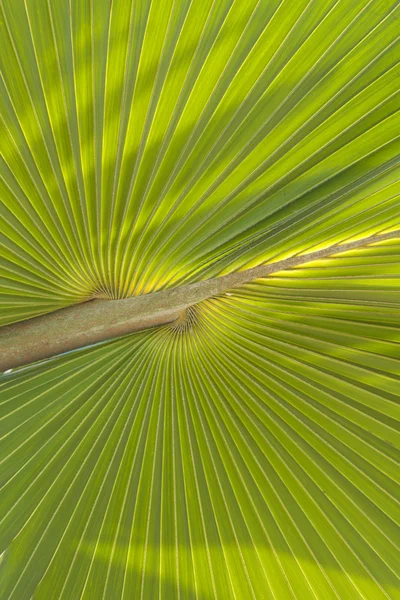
(95, 321)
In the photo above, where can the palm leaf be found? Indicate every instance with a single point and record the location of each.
(250, 449)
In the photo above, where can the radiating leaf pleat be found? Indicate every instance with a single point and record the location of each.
(253, 452)
(146, 144)
(250, 450)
